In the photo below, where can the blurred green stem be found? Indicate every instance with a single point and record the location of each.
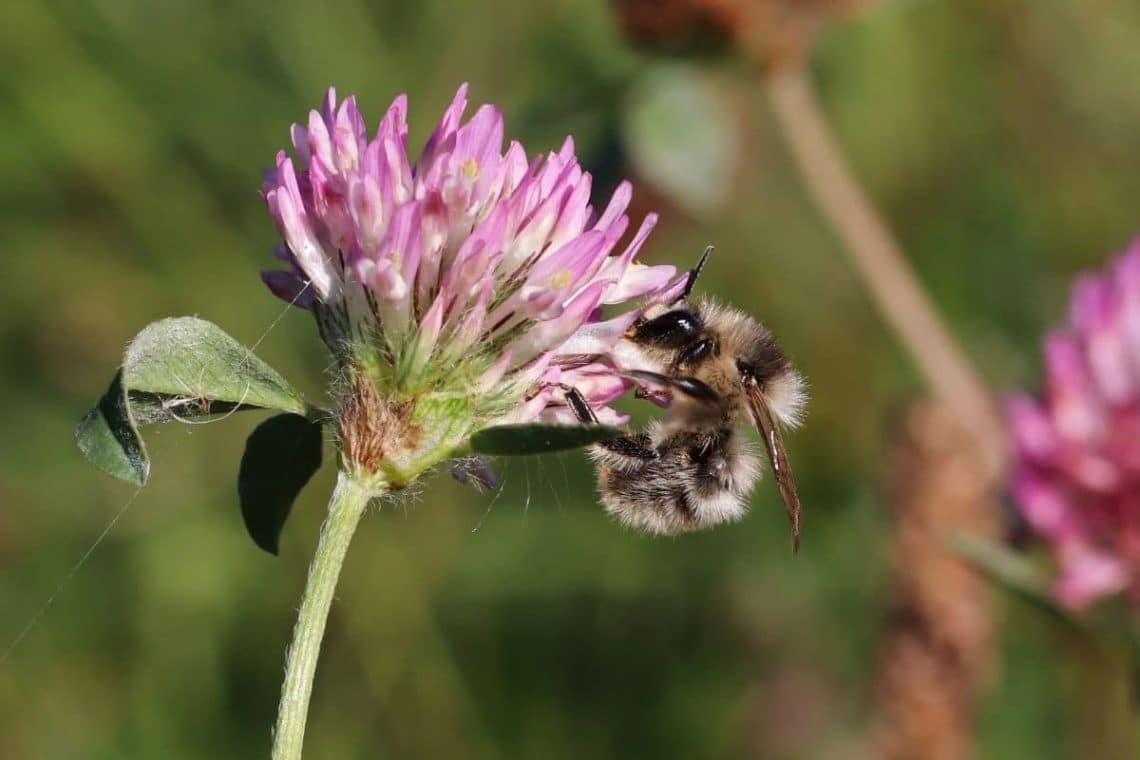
(880, 261)
(1102, 697)
(345, 509)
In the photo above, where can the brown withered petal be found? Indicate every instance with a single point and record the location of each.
(937, 648)
(673, 24)
(773, 32)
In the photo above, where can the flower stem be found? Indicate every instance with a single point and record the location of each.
(1102, 700)
(345, 509)
(880, 261)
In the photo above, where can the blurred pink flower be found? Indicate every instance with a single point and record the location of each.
(1077, 472)
(471, 268)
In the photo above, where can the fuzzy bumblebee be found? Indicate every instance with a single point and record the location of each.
(715, 369)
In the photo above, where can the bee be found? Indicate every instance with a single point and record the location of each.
(715, 369)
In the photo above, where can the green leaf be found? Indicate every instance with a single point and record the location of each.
(107, 436)
(524, 440)
(280, 457)
(190, 358)
(683, 136)
(184, 369)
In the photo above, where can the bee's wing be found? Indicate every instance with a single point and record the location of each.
(774, 444)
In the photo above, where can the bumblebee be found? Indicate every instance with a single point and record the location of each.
(716, 369)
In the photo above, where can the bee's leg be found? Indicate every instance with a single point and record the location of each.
(633, 446)
(578, 404)
(690, 386)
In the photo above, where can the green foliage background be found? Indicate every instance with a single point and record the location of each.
(1000, 138)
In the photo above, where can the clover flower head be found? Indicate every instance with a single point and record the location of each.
(1077, 445)
(465, 289)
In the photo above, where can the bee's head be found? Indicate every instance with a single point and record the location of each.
(672, 324)
(666, 327)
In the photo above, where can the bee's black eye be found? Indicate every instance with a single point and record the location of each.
(696, 352)
(673, 329)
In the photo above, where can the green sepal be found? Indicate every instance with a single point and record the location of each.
(184, 369)
(281, 455)
(526, 440)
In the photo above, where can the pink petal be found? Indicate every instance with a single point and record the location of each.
(394, 125)
(434, 226)
(1127, 277)
(619, 202)
(474, 318)
(1044, 506)
(320, 141)
(287, 208)
(597, 337)
(1088, 575)
(573, 214)
(1073, 399)
(550, 334)
(444, 132)
(639, 280)
(1095, 313)
(530, 409)
(348, 136)
(1031, 429)
(598, 383)
(368, 215)
(299, 136)
(329, 194)
(429, 329)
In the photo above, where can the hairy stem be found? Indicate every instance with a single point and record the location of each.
(879, 259)
(345, 509)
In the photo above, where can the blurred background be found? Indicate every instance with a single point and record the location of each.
(998, 137)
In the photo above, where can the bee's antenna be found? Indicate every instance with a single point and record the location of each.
(695, 272)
